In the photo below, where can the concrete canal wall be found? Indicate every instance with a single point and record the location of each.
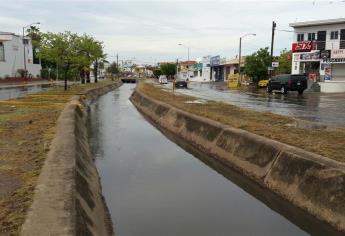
(314, 183)
(68, 197)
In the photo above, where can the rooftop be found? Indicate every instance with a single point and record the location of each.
(185, 63)
(317, 22)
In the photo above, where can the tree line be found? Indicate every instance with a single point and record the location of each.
(67, 55)
(257, 64)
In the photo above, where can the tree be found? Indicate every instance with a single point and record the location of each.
(168, 69)
(157, 72)
(257, 64)
(113, 69)
(34, 33)
(61, 49)
(285, 61)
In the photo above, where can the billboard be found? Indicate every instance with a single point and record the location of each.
(215, 61)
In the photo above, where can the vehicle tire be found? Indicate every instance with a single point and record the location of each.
(269, 89)
(283, 90)
(300, 91)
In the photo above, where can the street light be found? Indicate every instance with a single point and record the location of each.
(36, 23)
(180, 44)
(239, 54)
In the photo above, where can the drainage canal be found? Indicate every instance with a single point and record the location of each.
(155, 184)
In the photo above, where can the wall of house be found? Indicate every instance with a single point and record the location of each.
(330, 44)
(14, 58)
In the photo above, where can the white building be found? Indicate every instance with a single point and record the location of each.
(201, 71)
(12, 56)
(319, 51)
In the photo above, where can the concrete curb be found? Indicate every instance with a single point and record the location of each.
(68, 197)
(294, 174)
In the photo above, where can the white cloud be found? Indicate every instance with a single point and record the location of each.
(151, 30)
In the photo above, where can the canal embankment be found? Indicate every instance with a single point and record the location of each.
(310, 181)
(51, 182)
(68, 196)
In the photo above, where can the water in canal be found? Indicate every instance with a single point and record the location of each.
(155, 186)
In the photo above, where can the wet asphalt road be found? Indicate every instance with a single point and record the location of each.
(324, 108)
(7, 93)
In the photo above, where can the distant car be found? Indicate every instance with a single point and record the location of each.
(162, 79)
(263, 83)
(180, 83)
(285, 83)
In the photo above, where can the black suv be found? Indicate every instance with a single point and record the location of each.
(180, 83)
(285, 83)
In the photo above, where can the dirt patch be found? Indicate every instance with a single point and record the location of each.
(329, 143)
(27, 128)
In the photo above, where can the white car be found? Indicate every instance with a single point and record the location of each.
(162, 79)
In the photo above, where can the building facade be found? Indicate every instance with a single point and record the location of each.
(12, 56)
(318, 50)
(202, 70)
(185, 70)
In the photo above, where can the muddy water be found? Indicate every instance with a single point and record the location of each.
(155, 184)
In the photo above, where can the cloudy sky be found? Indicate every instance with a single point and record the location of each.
(150, 31)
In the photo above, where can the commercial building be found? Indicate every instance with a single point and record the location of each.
(319, 51)
(201, 70)
(185, 69)
(12, 56)
(217, 68)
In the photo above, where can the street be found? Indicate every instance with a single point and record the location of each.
(328, 108)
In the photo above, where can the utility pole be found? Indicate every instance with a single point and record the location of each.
(239, 60)
(117, 65)
(274, 25)
(24, 42)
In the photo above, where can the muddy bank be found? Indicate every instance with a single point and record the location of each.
(294, 174)
(68, 197)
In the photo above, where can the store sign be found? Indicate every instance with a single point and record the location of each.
(305, 46)
(215, 61)
(333, 60)
(325, 54)
(275, 64)
(308, 56)
(197, 66)
(338, 53)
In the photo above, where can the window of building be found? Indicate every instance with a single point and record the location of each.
(311, 36)
(334, 35)
(2, 52)
(300, 37)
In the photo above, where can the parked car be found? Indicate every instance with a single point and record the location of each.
(263, 83)
(180, 83)
(162, 79)
(285, 83)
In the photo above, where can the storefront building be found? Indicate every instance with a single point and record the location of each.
(318, 50)
(217, 69)
(185, 70)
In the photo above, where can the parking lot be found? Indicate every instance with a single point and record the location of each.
(324, 108)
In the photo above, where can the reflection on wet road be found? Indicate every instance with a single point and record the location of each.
(11, 93)
(154, 187)
(325, 108)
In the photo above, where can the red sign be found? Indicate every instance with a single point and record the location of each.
(312, 76)
(305, 46)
